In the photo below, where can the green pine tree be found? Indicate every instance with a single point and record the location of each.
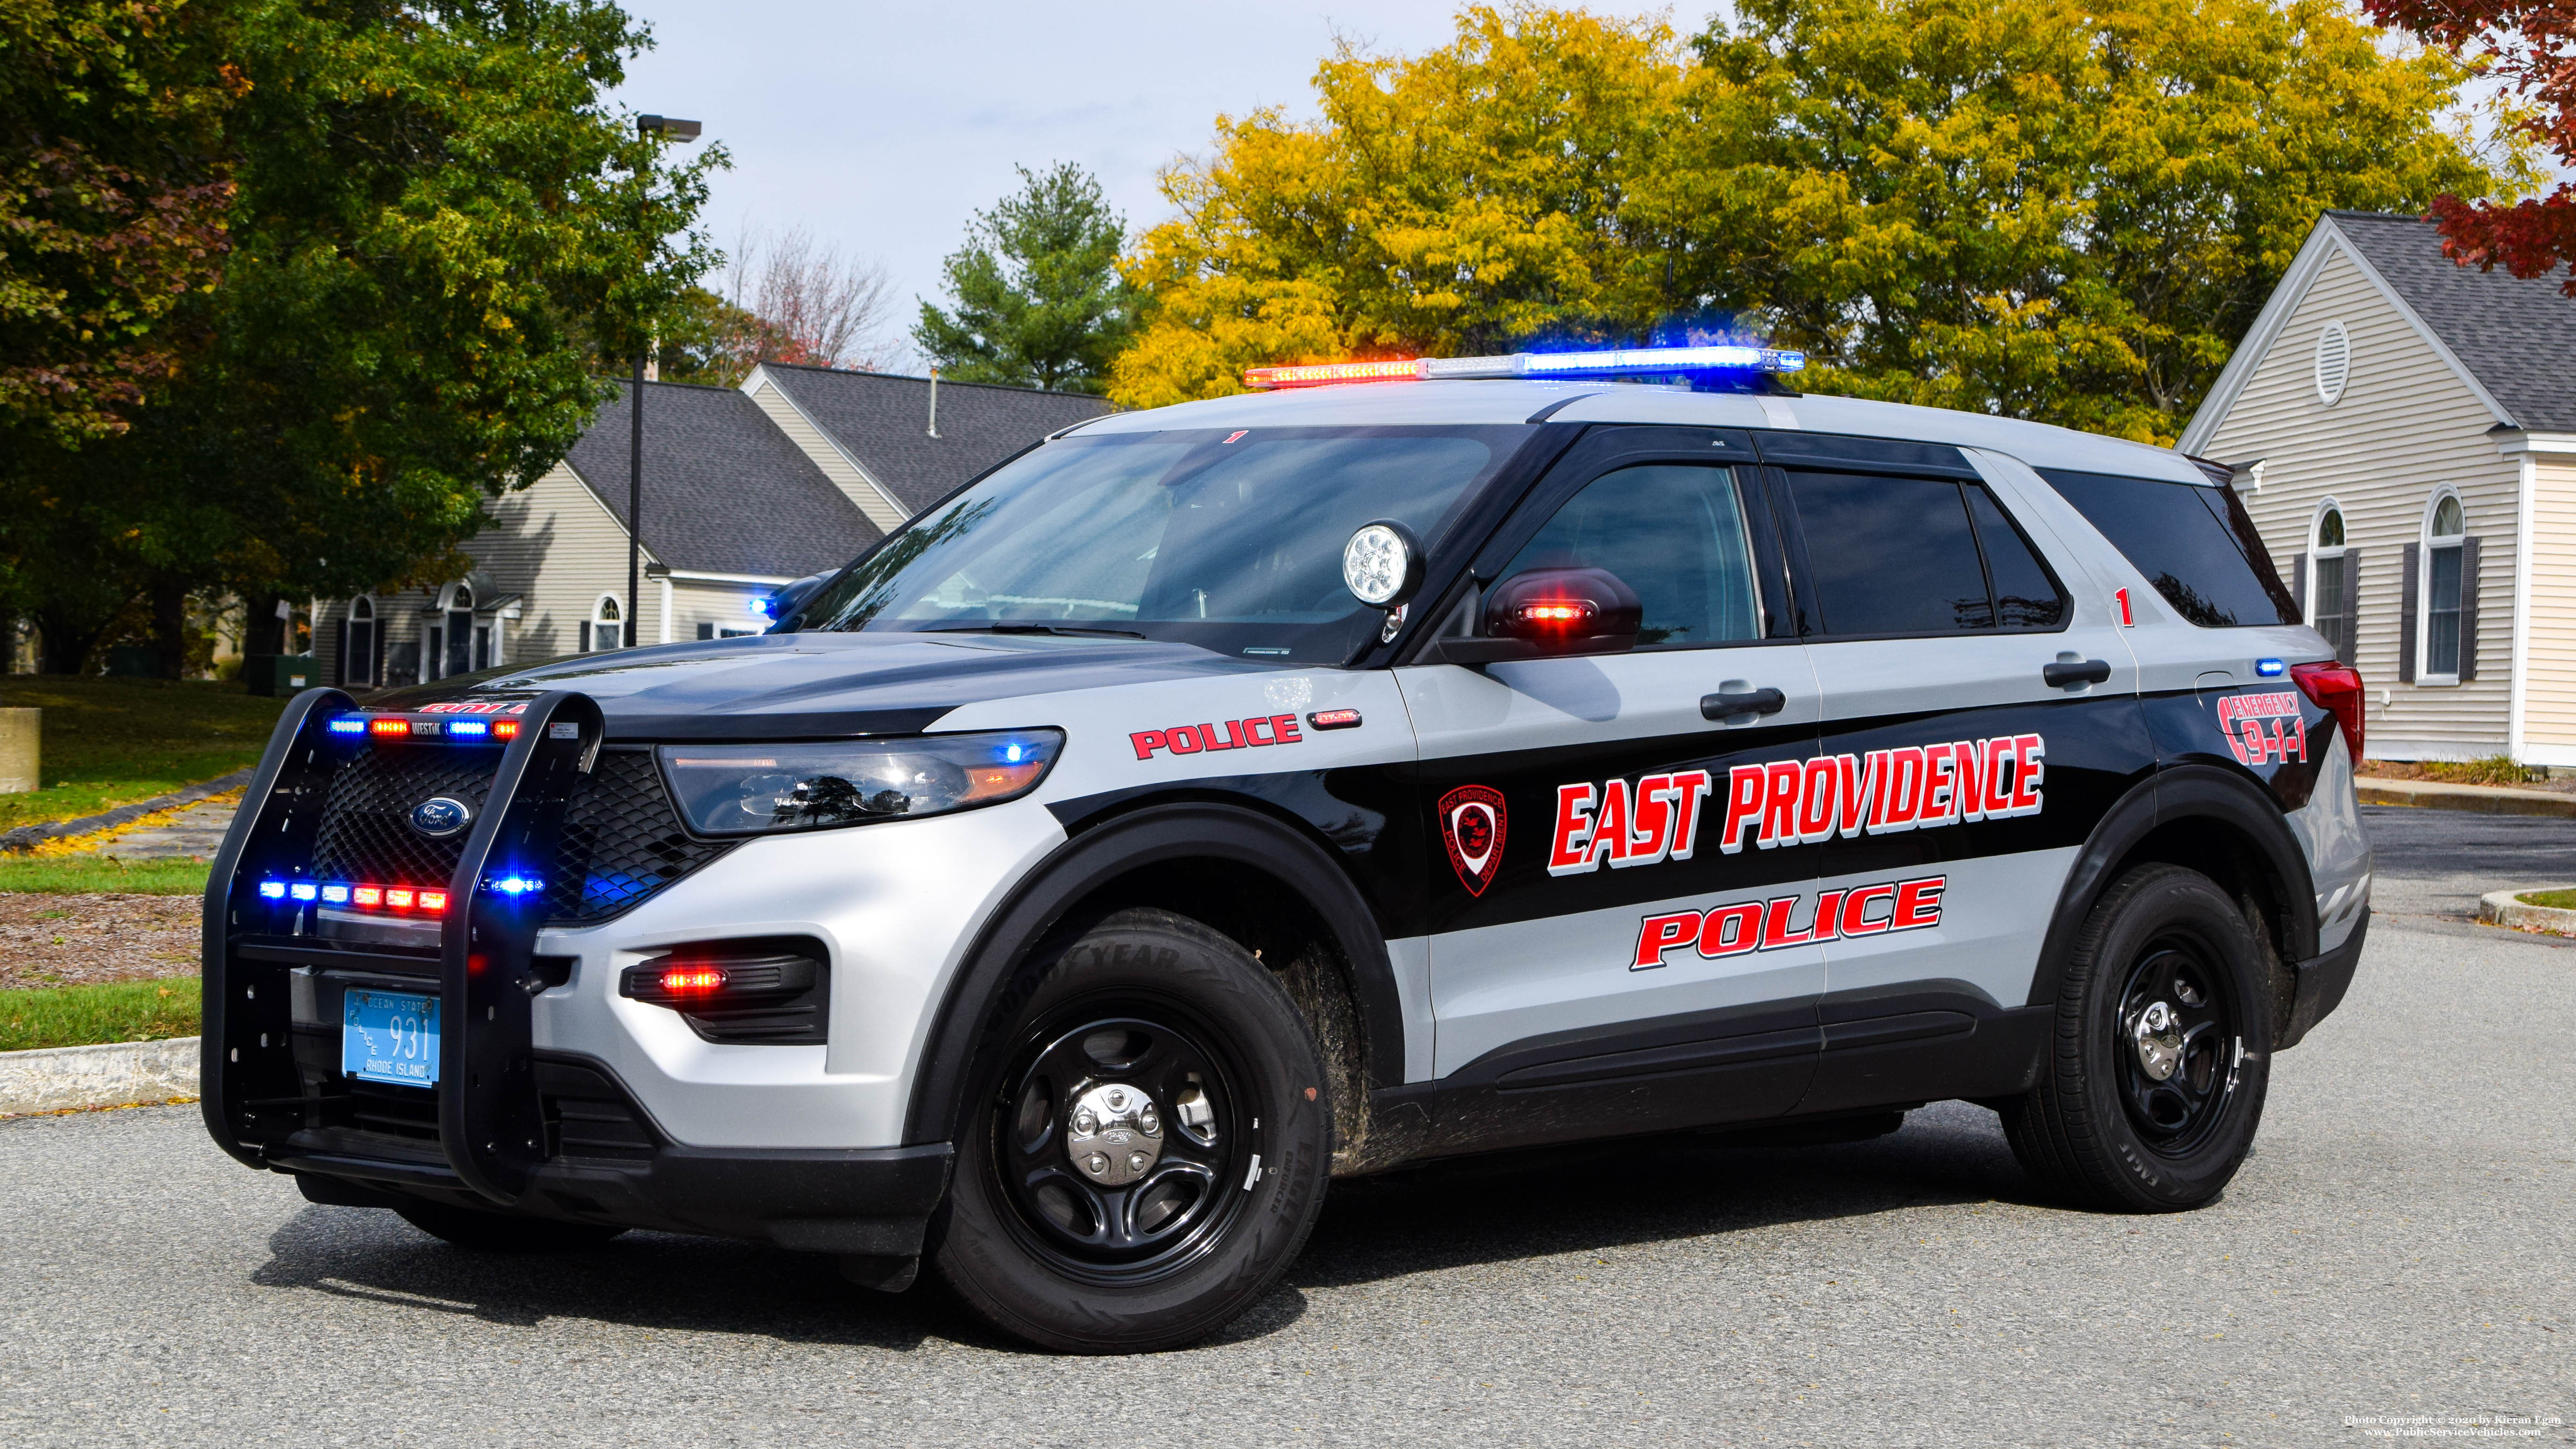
(1038, 299)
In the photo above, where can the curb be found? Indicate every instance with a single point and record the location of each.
(2484, 799)
(27, 837)
(2499, 908)
(66, 1079)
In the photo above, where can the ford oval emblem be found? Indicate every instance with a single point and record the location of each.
(441, 817)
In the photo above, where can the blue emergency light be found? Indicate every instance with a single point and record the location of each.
(1616, 362)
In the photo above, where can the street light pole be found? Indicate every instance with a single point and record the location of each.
(669, 128)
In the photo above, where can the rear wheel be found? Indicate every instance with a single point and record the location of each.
(1145, 1147)
(503, 1232)
(2157, 1069)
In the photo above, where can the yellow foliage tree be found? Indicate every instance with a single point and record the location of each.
(2059, 209)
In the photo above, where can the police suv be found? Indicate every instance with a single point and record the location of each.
(1405, 760)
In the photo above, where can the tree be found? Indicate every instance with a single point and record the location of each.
(112, 200)
(1039, 301)
(436, 220)
(2040, 208)
(2526, 43)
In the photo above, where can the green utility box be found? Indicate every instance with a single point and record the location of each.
(275, 676)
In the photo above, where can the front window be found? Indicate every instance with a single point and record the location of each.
(1227, 539)
(2442, 590)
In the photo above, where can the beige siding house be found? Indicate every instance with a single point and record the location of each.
(745, 490)
(2403, 431)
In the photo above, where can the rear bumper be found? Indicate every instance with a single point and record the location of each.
(2321, 985)
(872, 1201)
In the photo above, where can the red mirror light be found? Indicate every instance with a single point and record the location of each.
(1566, 611)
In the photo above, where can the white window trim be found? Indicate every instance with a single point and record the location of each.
(2424, 677)
(599, 606)
(2316, 551)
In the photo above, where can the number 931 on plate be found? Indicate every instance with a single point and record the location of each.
(390, 1036)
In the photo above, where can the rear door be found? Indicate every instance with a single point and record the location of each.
(1605, 956)
(1980, 712)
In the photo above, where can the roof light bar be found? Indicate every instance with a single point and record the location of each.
(1619, 362)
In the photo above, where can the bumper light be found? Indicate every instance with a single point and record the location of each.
(758, 789)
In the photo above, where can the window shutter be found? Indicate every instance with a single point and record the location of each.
(706, 631)
(2346, 651)
(2408, 591)
(2299, 582)
(585, 636)
(2468, 609)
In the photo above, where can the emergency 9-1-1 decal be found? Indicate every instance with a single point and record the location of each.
(1797, 802)
(2264, 727)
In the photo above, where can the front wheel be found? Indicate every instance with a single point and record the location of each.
(2157, 1068)
(1145, 1147)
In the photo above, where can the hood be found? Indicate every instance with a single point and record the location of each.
(822, 685)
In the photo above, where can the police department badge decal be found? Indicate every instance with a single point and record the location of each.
(1472, 826)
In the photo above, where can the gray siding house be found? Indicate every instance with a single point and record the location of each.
(745, 489)
(2403, 431)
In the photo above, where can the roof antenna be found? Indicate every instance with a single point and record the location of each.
(934, 401)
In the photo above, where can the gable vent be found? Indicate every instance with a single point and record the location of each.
(2334, 363)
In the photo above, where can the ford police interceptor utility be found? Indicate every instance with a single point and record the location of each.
(1475, 754)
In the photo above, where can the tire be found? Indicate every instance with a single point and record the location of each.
(503, 1232)
(1151, 1025)
(2165, 977)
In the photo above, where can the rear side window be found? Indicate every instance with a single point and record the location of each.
(1675, 534)
(2195, 544)
(1916, 556)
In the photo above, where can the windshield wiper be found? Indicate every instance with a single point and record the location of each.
(1065, 631)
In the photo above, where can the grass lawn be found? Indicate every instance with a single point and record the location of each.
(61, 1016)
(80, 875)
(2556, 900)
(111, 742)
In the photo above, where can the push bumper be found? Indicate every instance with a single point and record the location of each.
(2322, 981)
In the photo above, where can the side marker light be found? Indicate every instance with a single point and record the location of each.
(1334, 719)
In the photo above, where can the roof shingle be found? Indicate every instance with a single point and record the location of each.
(724, 491)
(2516, 336)
(883, 420)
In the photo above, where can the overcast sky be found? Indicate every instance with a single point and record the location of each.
(882, 126)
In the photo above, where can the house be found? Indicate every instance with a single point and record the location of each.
(744, 489)
(2403, 432)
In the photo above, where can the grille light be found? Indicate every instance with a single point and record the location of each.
(348, 724)
(518, 885)
(304, 891)
(691, 980)
(1618, 362)
(274, 890)
(471, 727)
(505, 729)
(389, 727)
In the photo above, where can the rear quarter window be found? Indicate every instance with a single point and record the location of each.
(2194, 543)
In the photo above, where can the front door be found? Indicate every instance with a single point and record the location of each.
(1618, 940)
(1937, 630)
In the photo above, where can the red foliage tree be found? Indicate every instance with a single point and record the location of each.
(2529, 45)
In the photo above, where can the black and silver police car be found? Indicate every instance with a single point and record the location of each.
(1405, 760)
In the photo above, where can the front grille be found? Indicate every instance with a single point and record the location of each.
(590, 1116)
(410, 1113)
(621, 843)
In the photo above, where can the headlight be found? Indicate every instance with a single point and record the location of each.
(752, 789)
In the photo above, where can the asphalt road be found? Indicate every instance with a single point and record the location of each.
(2403, 1243)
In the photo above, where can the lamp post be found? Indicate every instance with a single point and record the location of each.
(669, 128)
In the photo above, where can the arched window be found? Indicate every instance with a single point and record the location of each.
(606, 629)
(359, 643)
(2330, 581)
(2444, 611)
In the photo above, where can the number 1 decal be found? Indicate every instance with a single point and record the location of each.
(2127, 619)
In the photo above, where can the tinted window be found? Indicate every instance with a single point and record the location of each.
(1228, 541)
(2025, 596)
(1890, 555)
(2194, 544)
(1674, 533)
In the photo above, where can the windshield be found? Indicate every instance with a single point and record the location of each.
(1228, 540)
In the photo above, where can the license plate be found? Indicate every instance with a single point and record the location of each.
(390, 1036)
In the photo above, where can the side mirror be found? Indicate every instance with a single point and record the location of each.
(1566, 611)
(1382, 564)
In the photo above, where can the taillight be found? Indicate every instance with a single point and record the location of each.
(2336, 689)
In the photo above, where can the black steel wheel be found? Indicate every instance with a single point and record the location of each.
(1146, 1143)
(2156, 1075)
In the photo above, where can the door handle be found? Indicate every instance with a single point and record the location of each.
(1734, 702)
(2090, 671)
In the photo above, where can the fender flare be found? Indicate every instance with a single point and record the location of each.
(1193, 831)
(2181, 792)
